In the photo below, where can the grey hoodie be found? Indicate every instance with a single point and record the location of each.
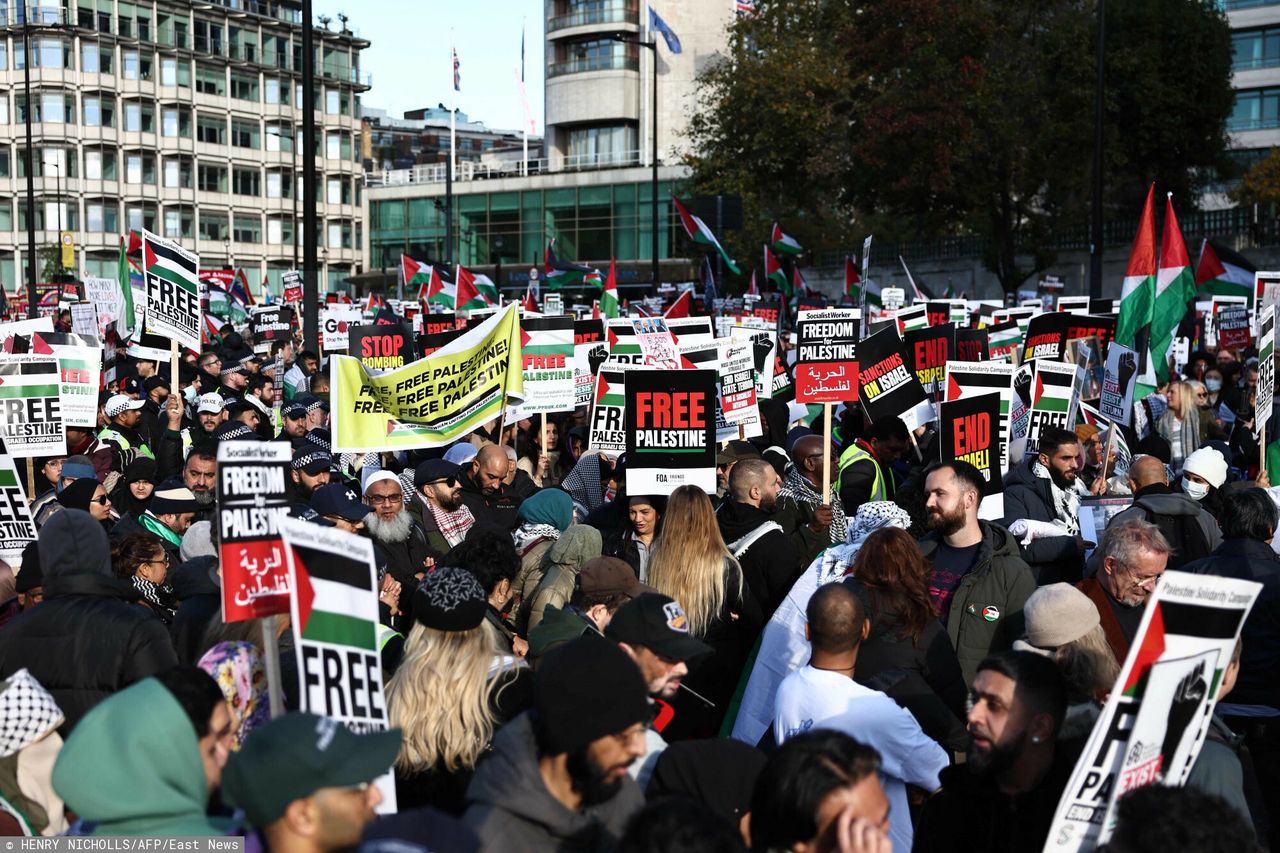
(510, 808)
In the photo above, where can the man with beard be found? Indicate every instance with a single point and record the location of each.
(293, 423)
(200, 475)
(979, 583)
(150, 426)
(1134, 556)
(393, 529)
(485, 493)
(557, 778)
(1046, 489)
(767, 555)
(1004, 796)
(121, 432)
(438, 506)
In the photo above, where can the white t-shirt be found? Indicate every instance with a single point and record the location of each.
(813, 698)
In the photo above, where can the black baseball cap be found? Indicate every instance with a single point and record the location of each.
(131, 385)
(338, 499)
(433, 471)
(154, 382)
(658, 623)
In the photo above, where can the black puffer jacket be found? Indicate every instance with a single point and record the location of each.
(1052, 558)
(89, 638)
(770, 564)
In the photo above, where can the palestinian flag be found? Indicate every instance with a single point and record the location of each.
(173, 266)
(701, 235)
(239, 288)
(753, 289)
(681, 307)
(126, 324)
(1138, 295)
(798, 283)
(920, 293)
(593, 279)
(440, 291)
(1175, 288)
(562, 273)
(415, 273)
(610, 390)
(530, 305)
(774, 273)
(609, 297)
(474, 291)
(374, 303)
(1222, 272)
(337, 602)
(1003, 339)
(784, 243)
(852, 280)
(1053, 387)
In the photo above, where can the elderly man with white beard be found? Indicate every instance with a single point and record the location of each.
(394, 529)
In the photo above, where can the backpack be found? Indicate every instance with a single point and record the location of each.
(1184, 533)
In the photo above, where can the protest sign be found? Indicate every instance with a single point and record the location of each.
(589, 352)
(607, 432)
(971, 432)
(940, 311)
(1119, 379)
(826, 368)
(764, 354)
(1231, 323)
(781, 388)
(548, 365)
(17, 528)
(1086, 326)
(968, 379)
(334, 618)
(657, 346)
(428, 344)
(929, 350)
(104, 294)
(1046, 337)
(1081, 381)
(736, 404)
(670, 430)
(1159, 712)
(272, 323)
(84, 320)
(79, 374)
(24, 328)
(335, 324)
(892, 298)
(1050, 400)
(1022, 315)
(149, 347)
(972, 345)
(1266, 365)
(1266, 285)
(1004, 340)
(253, 496)
(1073, 304)
(30, 400)
(291, 285)
(172, 285)
(914, 317)
(886, 386)
(381, 347)
(429, 402)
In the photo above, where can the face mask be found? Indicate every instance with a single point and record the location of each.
(1195, 491)
(1214, 385)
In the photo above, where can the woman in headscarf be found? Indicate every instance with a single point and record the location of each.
(141, 559)
(238, 669)
(783, 646)
(543, 517)
(133, 493)
(585, 483)
(90, 496)
(775, 416)
(565, 559)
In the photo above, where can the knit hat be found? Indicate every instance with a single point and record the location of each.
(549, 506)
(78, 495)
(172, 496)
(586, 689)
(77, 468)
(141, 470)
(1055, 615)
(198, 541)
(450, 599)
(1205, 462)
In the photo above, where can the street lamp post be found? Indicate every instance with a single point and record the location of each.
(651, 45)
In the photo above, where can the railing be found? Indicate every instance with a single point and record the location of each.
(1254, 63)
(608, 62)
(434, 173)
(1233, 5)
(610, 13)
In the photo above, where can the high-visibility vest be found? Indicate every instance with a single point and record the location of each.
(385, 636)
(109, 434)
(855, 453)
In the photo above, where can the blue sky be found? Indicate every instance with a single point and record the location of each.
(410, 62)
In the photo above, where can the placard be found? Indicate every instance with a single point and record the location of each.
(17, 528)
(1050, 400)
(1266, 366)
(31, 406)
(104, 294)
(335, 326)
(886, 386)
(657, 346)
(913, 317)
(972, 345)
(826, 369)
(171, 275)
(381, 347)
(589, 352)
(84, 320)
(968, 379)
(272, 323)
(79, 374)
(253, 495)
(970, 431)
(1232, 323)
(548, 364)
(291, 285)
(608, 434)
(1004, 341)
(1046, 337)
(1119, 378)
(929, 350)
(670, 430)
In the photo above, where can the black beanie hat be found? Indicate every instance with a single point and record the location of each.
(450, 599)
(586, 689)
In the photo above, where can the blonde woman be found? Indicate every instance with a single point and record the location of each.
(691, 564)
(1180, 424)
(450, 693)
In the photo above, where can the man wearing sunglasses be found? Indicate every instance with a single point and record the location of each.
(438, 506)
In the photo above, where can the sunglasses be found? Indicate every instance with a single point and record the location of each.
(448, 481)
(102, 501)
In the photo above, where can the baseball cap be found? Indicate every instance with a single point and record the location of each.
(610, 576)
(154, 382)
(311, 402)
(130, 385)
(227, 370)
(311, 460)
(341, 500)
(433, 471)
(293, 756)
(121, 403)
(736, 451)
(658, 623)
(319, 437)
(294, 410)
(210, 404)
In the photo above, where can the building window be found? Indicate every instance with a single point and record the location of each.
(339, 234)
(244, 134)
(214, 226)
(211, 179)
(279, 231)
(140, 168)
(279, 138)
(210, 81)
(99, 110)
(602, 146)
(141, 216)
(175, 72)
(211, 129)
(179, 221)
(248, 229)
(279, 185)
(593, 55)
(102, 217)
(177, 172)
(139, 117)
(275, 92)
(244, 87)
(246, 182)
(100, 164)
(208, 37)
(176, 122)
(1255, 109)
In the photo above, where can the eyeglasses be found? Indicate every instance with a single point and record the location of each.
(102, 501)
(163, 560)
(375, 500)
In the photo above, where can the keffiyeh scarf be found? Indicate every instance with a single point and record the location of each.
(453, 525)
(160, 595)
(527, 535)
(1066, 502)
(801, 490)
(584, 482)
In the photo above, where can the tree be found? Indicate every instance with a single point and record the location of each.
(1261, 184)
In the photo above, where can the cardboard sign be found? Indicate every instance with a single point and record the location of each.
(892, 298)
(17, 527)
(1083, 384)
(335, 325)
(929, 350)
(1050, 400)
(826, 368)
(1046, 337)
(334, 617)
(1004, 340)
(589, 352)
(1089, 326)
(624, 344)
(381, 347)
(764, 352)
(273, 323)
(104, 294)
(548, 365)
(657, 346)
(1266, 285)
(1232, 324)
(1119, 379)
(79, 374)
(737, 411)
(433, 324)
(607, 432)
(914, 317)
(971, 432)
(972, 345)
(887, 388)
(84, 320)
(942, 311)
(253, 495)
(31, 403)
(291, 284)
(1266, 365)
(966, 379)
(172, 285)
(1158, 713)
(670, 430)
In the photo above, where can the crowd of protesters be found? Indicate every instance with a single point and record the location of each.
(570, 666)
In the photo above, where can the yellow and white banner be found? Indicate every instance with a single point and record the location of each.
(433, 401)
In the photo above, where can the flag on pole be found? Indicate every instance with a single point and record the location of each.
(1175, 287)
(609, 297)
(530, 304)
(126, 323)
(681, 307)
(774, 273)
(784, 243)
(457, 72)
(920, 293)
(562, 273)
(474, 288)
(752, 288)
(852, 280)
(668, 34)
(701, 235)
(440, 290)
(708, 285)
(1138, 294)
(415, 273)
(798, 284)
(1222, 272)
(239, 289)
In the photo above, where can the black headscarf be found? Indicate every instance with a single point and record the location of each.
(778, 415)
(122, 499)
(79, 494)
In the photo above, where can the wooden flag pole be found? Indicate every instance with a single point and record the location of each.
(826, 453)
(175, 388)
(1262, 442)
(271, 652)
(912, 435)
(1106, 453)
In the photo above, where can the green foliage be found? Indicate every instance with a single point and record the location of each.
(1261, 184)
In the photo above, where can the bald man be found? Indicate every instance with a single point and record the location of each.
(812, 523)
(485, 492)
(751, 530)
(1190, 528)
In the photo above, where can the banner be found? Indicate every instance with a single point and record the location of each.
(886, 386)
(79, 374)
(291, 286)
(548, 364)
(624, 345)
(930, 349)
(105, 295)
(1231, 322)
(381, 347)
(430, 402)
(607, 433)
(1266, 364)
(334, 619)
(1050, 400)
(30, 398)
(273, 323)
(1158, 714)
(670, 429)
(971, 429)
(173, 290)
(253, 496)
(589, 352)
(84, 320)
(826, 369)
(966, 379)
(1118, 381)
(973, 344)
(335, 324)
(17, 528)
(736, 404)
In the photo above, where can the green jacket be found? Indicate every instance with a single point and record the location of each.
(986, 610)
(132, 767)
